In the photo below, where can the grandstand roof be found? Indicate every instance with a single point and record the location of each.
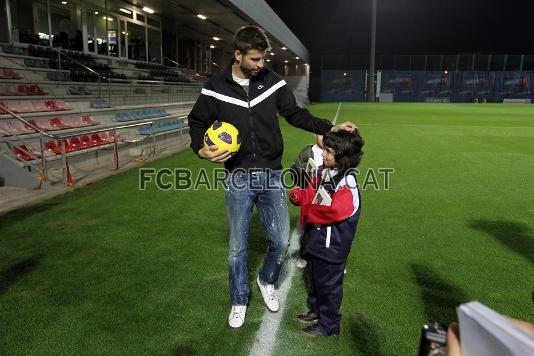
(224, 17)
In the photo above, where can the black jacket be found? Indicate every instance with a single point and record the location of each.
(255, 116)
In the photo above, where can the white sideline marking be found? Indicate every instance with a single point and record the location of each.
(337, 113)
(265, 340)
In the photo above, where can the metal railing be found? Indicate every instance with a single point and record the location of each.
(152, 90)
(100, 77)
(62, 141)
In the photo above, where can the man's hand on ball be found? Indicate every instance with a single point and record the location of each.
(347, 126)
(210, 153)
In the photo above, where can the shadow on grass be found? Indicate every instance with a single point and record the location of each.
(440, 297)
(18, 216)
(17, 271)
(516, 236)
(364, 336)
(183, 350)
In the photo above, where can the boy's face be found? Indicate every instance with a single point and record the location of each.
(328, 157)
(250, 63)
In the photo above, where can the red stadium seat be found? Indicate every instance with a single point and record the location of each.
(23, 90)
(73, 121)
(60, 105)
(39, 105)
(19, 128)
(86, 141)
(35, 90)
(53, 146)
(57, 124)
(14, 106)
(43, 124)
(74, 144)
(50, 105)
(25, 153)
(96, 139)
(10, 74)
(88, 120)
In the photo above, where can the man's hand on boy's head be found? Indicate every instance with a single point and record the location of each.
(347, 126)
(210, 153)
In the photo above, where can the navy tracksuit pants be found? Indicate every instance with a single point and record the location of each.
(325, 292)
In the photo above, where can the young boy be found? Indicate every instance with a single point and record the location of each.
(329, 229)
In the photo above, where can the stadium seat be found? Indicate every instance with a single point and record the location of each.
(16, 106)
(43, 124)
(39, 105)
(99, 103)
(11, 90)
(9, 74)
(88, 120)
(73, 144)
(120, 116)
(4, 128)
(53, 146)
(35, 90)
(61, 105)
(79, 121)
(19, 128)
(25, 153)
(50, 105)
(96, 139)
(109, 136)
(144, 130)
(86, 141)
(23, 90)
(57, 124)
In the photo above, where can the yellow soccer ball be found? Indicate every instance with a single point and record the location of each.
(224, 135)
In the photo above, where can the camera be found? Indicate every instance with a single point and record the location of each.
(433, 340)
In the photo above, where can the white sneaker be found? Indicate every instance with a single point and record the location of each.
(269, 296)
(301, 263)
(237, 316)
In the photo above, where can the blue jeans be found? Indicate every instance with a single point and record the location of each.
(265, 190)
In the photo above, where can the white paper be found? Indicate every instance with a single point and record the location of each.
(483, 331)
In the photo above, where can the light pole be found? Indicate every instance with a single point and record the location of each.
(371, 83)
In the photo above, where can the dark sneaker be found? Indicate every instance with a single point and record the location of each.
(309, 317)
(313, 330)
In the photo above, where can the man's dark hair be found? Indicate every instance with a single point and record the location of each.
(251, 37)
(347, 146)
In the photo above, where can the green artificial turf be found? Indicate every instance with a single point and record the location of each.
(109, 269)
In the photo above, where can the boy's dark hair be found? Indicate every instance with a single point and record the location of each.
(347, 146)
(251, 37)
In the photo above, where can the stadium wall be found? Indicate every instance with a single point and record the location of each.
(421, 86)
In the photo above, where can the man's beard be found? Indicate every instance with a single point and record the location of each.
(248, 72)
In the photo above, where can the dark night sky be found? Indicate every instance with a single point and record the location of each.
(411, 26)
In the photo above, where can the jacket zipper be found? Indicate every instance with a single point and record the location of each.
(250, 120)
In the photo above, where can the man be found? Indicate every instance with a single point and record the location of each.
(250, 97)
